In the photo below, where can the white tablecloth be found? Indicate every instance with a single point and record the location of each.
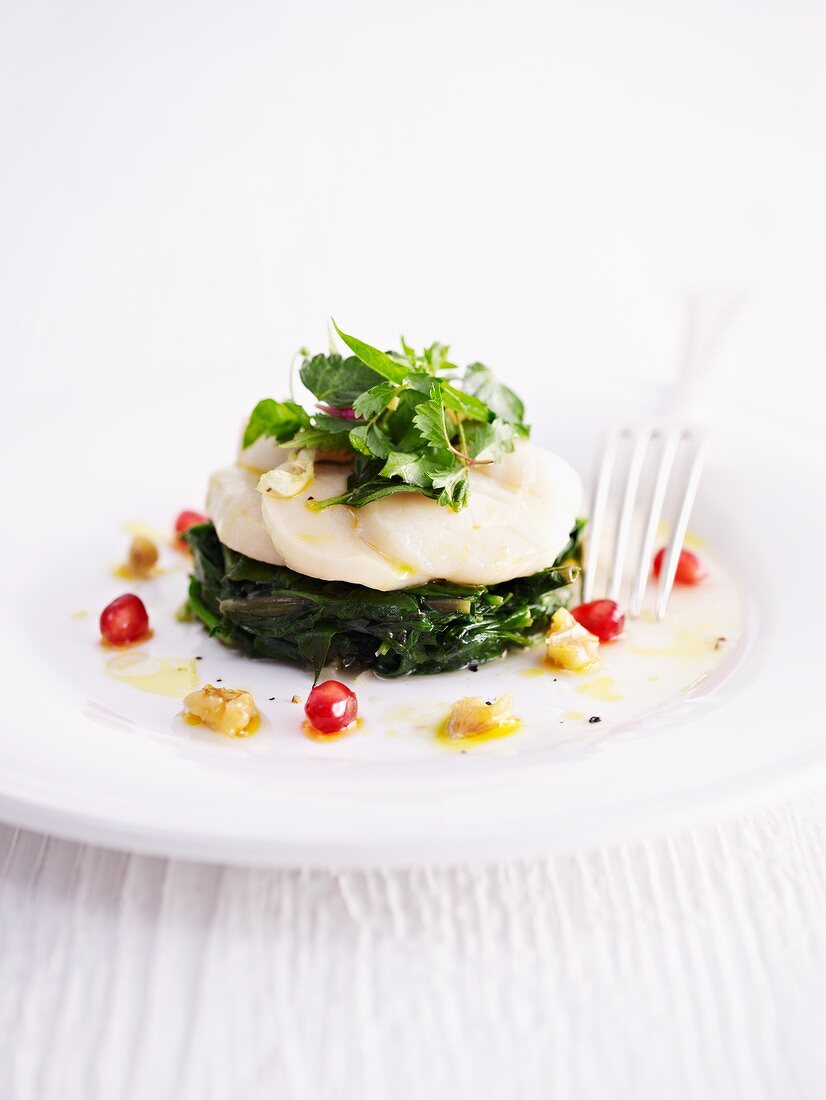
(692, 966)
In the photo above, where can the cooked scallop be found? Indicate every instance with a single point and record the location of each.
(234, 506)
(330, 544)
(517, 520)
(262, 455)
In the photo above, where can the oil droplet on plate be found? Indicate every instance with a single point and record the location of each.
(602, 688)
(172, 676)
(504, 729)
(316, 735)
(683, 643)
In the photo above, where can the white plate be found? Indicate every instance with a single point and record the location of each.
(90, 757)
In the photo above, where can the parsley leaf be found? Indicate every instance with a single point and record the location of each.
(454, 484)
(464, 403)
(370, 440)
(373, 401)
(412, 468)
(480, 381)
(489, 442)
(431, 421)
(325, 433)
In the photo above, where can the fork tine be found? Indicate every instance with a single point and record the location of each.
(598, 509)
(669, 452)
(624, 528)
(675, 544)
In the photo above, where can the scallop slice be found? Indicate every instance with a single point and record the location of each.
(330, 544)
(517, 521)
(262, 455)
(234, 506)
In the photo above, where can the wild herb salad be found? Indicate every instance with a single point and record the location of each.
(405, 424)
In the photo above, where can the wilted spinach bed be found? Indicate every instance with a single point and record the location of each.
(270, 611)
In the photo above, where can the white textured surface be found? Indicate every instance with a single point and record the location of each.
(687, 967)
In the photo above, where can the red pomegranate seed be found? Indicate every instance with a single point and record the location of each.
(124, 620)
(331, 707)
(185, 520)
(604, 618)
(690, 568)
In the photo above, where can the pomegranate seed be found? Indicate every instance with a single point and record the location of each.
(604, 618)
(331, 707)
(185, 520)
(690, 569)
(124, 620)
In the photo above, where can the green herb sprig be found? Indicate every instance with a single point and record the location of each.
(413, 421)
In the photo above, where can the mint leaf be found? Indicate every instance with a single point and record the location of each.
(278, 419)
(336, 381)
(378, 361)
(482, 383)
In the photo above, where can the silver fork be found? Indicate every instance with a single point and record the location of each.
(707, 318)
(640, 443)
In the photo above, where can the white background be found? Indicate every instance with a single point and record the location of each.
(191, 190)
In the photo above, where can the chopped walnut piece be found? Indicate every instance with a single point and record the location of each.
(224, 710)
(569, 645)
(143, 556)
(472, 716)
